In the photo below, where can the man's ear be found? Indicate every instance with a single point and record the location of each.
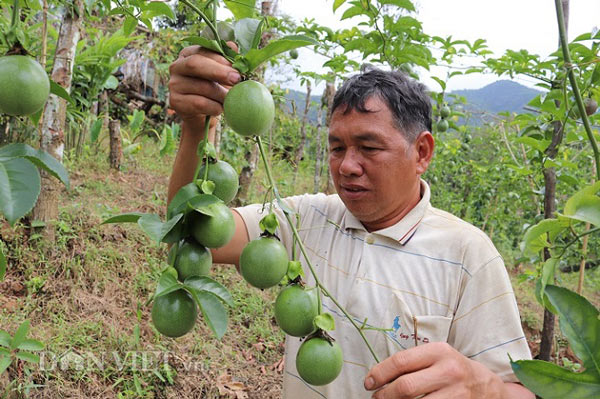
(424, 146)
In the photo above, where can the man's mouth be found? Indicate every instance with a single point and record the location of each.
(352, 191)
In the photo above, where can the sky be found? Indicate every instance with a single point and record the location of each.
(505, 24)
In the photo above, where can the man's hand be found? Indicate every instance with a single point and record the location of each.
(438, 371)
(199, 82)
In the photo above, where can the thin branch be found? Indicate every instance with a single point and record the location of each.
(574, 85)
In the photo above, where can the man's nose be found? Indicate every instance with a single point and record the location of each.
(351, 165)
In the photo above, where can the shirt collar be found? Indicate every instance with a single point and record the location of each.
(405, 228)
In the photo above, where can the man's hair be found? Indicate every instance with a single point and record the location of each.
(406, 98)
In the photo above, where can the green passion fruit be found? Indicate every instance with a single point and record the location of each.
(319, 361)
(295, 310)
(225, 178)
(445, 111)
(249, 108)
(174, 314)
(24, 85)
(442, 125)
(192, 259)
(264, 262)
(215, 230)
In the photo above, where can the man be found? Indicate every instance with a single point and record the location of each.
(435, 283)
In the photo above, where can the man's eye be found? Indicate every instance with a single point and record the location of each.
(369, 149)
(336, 149)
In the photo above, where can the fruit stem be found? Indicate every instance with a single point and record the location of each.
(569, 66)
(15, 14)
(204, 144)
(320, 286)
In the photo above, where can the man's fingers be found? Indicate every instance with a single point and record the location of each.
(186, 85)
(233, 46)
(193, 50)
(190, 104)
(199, 66)
(403, 362)
(416, 384)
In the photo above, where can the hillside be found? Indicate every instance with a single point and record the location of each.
(500, 96)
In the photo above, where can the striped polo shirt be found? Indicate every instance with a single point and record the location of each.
(430, 277)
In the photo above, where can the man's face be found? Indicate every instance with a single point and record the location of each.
(376, 171)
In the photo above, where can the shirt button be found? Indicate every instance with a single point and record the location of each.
(370, 239)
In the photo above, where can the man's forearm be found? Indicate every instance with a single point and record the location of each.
(186, 159)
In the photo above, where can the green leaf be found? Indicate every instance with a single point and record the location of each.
(208, 150)
(405, 4)
(20, 335)
(543, 300)
(245, 30)
(95, 130)
(155, 228)
(204, 203)
(536, 239)
(28, 357)
(167, 282)
(550, 381)
(441, 82)
(167, 141)
(207, 186)
(60, 91)
(129, 25)
(548, 272)
(20, 186)
(325, 321)
(241, 8)
(136, 120)
(585, 208)
(160, 8)
(204, 283)
(39, 158)
(31, 345)
(580, 324)
(204, 42)
(255, 57)
(539, 145)
(5, 361)
(215, 314)
(225, 31)
(337, 4)
(2, 265)
(571, 205)
(172, 255)
(182, 196)
(5, 339)
(596, 75)
(353, 12)
(111, 83)
(35, 117)
(269, 223)
(131, 217)
(294, 270)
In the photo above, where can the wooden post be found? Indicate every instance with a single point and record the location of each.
(52, 137)
(116, 150)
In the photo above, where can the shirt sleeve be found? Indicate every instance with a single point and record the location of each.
(487, 326)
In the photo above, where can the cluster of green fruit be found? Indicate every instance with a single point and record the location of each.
(442, 124)
(175, 313)
(264, 262)
(24, 85)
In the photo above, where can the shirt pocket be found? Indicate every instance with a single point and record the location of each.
(407, 330)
